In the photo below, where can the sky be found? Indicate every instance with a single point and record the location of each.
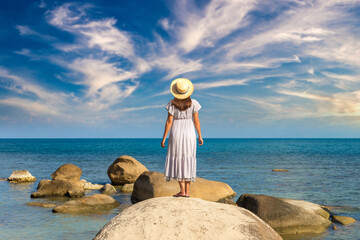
(103, 68)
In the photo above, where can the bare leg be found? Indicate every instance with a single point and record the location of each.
(182, 187)
(187, 187)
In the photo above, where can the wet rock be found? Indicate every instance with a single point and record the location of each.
(87, 204)
(108, 189)
(343, 220)
(56, 188)
(285, 216)
(127, 187)
(90, 186)
(125, 169)
(41, 204)
(153, 184)
(21, 176)
(280, 170)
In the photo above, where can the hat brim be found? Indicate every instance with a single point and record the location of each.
(179, 95)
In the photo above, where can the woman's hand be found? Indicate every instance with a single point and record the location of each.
(163, 143)
(201, 141)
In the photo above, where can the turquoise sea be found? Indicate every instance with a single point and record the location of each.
(323, 171)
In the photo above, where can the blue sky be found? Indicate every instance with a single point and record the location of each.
(103, 68)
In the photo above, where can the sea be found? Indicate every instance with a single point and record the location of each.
(322, 171)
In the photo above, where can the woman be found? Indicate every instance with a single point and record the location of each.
(183, 115)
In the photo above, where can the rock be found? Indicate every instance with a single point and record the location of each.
(153, 184)
(285, 216)
(227, 201)
(185, 218)
(125, 169)
(3, 179)
(312, 207)
(343, 220)
(86, 204)
(90, 186)
(21, 176)
(108, 189)
(41, 204)
(68, 172)
(280, 170)
(128, 187)
(56, 188)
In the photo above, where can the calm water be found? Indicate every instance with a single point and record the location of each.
(323, 171)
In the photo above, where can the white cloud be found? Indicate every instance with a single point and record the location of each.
(216, 21)
(107, 37)
(27, 31)
(221, 83)
(101, 33)
(260, 63)
(99, 73)
(176, 65)
(34, 108)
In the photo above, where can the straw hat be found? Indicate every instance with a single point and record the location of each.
(181, 88)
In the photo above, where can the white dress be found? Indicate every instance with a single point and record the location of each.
(181, 155)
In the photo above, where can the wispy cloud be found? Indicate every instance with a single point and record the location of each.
(204, 27)
(27, 31)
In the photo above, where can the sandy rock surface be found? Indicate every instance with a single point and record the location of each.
(20, 176)
(185, 218)
(125, 169)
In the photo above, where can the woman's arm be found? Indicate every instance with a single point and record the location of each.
(198, 128)
(168, 125)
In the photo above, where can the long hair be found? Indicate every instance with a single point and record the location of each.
(182, 104)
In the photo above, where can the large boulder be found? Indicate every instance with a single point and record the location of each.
(286, 216)
(185, 218)
(153, 184)
(68, 172)
(125, 169)
(21, 176)
(88, 204)
(57, 188)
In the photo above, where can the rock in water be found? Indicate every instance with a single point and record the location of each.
(21, 176)
(56, 188)
(68, 172)
(108, 189)
(153, 184)
(125, 169)
(41, 204)
(284, 217)
(343, 220)
(90, 186)
(185, 218)
(88, 204)
(127, 187)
